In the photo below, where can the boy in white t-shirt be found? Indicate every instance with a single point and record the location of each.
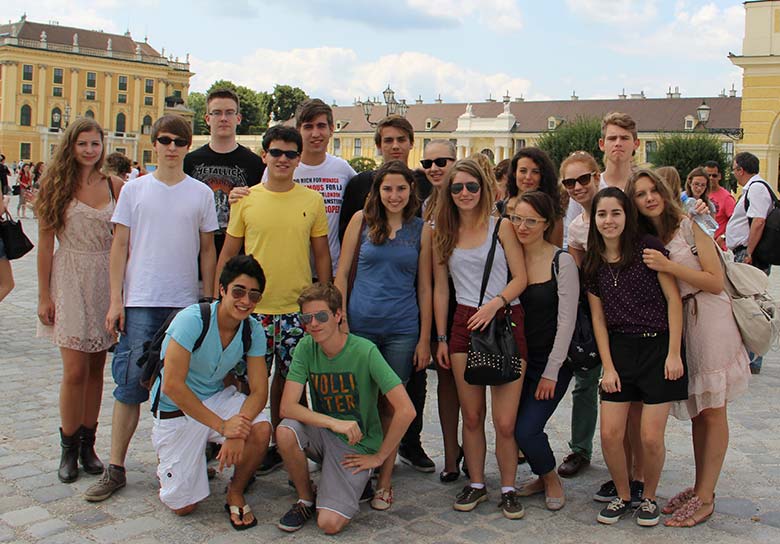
(162, 221)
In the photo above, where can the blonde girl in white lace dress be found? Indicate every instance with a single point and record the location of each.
(75, 205)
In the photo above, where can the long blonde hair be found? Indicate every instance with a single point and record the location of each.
(61, 179)
(445, 235)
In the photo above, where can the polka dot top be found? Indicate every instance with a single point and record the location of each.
(632, 297)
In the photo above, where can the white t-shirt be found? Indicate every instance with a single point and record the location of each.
(133, 174)
(578, 233)
(738, 228)
(329, 178)
(165, 223)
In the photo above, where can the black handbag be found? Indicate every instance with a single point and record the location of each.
(493, 357)
(15, 241)
(583, 352)
(16, 190)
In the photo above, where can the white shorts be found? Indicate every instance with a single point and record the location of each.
(180, 444)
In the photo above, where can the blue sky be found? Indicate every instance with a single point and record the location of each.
(464, 50)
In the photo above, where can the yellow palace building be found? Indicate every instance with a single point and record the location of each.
(51, 74)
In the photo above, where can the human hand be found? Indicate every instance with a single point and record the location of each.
(237, 426)
(348, 428)
(422, 355)
(46, 311)
(443, 356)
(484, 315)
(361, 462)
(230, 453)
(610, 382)
(115, 319)
(655, 260)
(236, 194)
(701, 207)
(673, 368)
(545, 390)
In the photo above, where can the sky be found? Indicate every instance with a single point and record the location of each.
(461, 50)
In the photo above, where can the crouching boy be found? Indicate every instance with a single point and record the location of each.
(195, 407)
(342, 431)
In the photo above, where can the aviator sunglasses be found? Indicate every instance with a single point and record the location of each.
(276, 153)
(441, 162)
(471, 186)
(322, 316)
(239, 292)
(166, 140)
(583, 180)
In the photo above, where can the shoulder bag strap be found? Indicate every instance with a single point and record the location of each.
(489, 262)
(205, 315)
(111, 189)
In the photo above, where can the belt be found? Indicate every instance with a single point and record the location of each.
(171, 415)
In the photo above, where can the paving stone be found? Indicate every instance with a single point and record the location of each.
(52, 493)
(18, 518)
(47, 528)
(18, 472)
(6, 534)
(481, 534)
(126, 529)
(90, 518)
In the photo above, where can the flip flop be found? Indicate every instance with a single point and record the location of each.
(239, 511)
(677, 501)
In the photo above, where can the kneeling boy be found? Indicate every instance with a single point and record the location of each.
(342, 431)
(196, 408)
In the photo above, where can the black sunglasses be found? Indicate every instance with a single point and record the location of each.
(166, 140)
(441, 162)
(583, 180)
(239, 292)
(276, 153)
(322, 316)
(471, 186)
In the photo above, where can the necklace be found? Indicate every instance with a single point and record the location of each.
(614, 276)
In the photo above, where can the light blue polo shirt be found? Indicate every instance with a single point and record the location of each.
(209, 364)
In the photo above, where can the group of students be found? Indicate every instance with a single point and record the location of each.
(406, 250)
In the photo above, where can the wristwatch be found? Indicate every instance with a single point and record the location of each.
(442, 338)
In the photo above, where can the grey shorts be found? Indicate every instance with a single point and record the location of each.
(339, 490)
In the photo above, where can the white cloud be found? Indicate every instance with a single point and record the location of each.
(503, 15)
(95, 15)
(337, 73)
(612, 12)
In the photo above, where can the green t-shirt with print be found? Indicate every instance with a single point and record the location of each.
(347, 386)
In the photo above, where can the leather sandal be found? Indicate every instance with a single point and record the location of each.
(685, 516)
(677, 501)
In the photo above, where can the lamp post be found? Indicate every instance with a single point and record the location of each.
(392, 106)
(703, 115)
(66, 117)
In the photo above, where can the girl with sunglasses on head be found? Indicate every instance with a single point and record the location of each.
(637, 322)
(551, 299)
(717, 362)
(532, 170)
(462, 240)
(75, 205)
(438, 158)
(389, 301)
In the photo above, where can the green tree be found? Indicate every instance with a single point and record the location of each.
(284, 100)
(197, 103)
(687, 151)
(581, 134)
(362, 164)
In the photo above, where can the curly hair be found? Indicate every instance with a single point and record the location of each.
(61, 179)
(549, 181)
(374, 211)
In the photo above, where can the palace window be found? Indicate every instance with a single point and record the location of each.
(90, 114)
(651, 148)
(27, 72)
(25, 116)
(358, 150)
(122, 83)
(91, 80)
(146, 127)
(337, 147)
(121, 98)
(25, 151)
(56, 118)
(90, 95)
(149, 86)
(120, 122)
(58, 76)
(148, 101)
(56, 91)
(26, 88)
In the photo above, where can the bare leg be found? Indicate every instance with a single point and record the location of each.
(385, 479)
(124, 421)
(254, 451)
(714, 425)
(75, 376)
(93, 394)
(654, 417)
(330, 522)
(6, 277)
(505, 399)
(614, 416)
(634, 451)
(449, 416)
(472, 404)
(295, 462)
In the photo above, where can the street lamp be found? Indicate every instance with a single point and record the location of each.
(66, 117)
(393, 106)
(703, 115)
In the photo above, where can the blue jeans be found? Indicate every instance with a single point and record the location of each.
(397, 349)
(140, 326)
(532, 416)
(740, 253)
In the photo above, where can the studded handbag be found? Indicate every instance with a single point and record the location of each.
(494, 356)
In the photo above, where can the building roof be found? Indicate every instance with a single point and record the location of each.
(93, 39)
(650, 114)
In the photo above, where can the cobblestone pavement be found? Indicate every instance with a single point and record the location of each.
(36, 507)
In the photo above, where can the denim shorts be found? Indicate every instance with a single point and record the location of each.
(140, 326)
(397, 349)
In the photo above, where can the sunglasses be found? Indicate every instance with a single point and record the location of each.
(166, 140)
(322, 316)
(441, 162)
(239, 292)
(713, 176)
(583, 180)
(471, 186)
(276, 153)
(530, 222)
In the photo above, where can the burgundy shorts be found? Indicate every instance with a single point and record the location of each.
(460, 337)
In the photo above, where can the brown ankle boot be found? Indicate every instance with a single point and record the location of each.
(69, 469)
(87, 456)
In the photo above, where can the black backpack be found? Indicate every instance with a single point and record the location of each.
(767, 250)
(150, 361)
(583, 352)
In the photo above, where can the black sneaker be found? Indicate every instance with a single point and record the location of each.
(637, 489)
(611, 513)
(510, 505)
(647, 514)
(295, 517)
(606, 493)
(416, 457)
(469, 497)
(368, 492)
(271, 462)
